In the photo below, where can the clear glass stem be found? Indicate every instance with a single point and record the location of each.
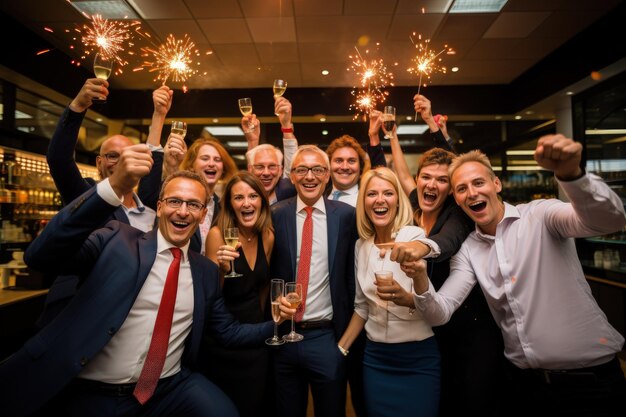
(232, 267)
(275, 331)
(293, 330)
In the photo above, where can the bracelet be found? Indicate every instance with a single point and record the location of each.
(286, 129)
(411, 311)
(343, 351)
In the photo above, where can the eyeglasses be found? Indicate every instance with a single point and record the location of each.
(258, 168)
(317, 170)
(112, 157)
(177, 203)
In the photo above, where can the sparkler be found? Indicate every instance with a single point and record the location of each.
(427, 61)
(373, 77)
(172, 58)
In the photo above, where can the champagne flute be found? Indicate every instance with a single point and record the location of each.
(277, 288)
(279, 89)
(293, 293)
(245, 107)
(102, 67)
(231, 236)
(389, 120)
(179, 128)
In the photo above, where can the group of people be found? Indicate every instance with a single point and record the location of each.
(141, 318)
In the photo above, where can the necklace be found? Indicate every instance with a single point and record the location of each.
(249, 239)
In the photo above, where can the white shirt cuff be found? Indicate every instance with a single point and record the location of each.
(105, 191)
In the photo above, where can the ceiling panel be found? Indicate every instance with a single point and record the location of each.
(515, 24)
(178, 28)
(429, 6)
(224, 31)
(278, 53)
(341, 28)
(214, 9)
(172, 9)
(369, 7)
(272, 29)
(256, 8)
(318, 7)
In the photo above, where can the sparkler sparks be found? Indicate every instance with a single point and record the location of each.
(427, 61)
(172, 58)
(110, 38)
(373, 77)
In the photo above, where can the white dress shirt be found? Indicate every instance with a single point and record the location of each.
(348, 196)
(122, 359)
(533, 281)
(318, 302)
(140, 217)
(386, 322)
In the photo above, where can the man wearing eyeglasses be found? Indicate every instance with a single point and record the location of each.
(265, 161)
(103, 356)
(314, 245)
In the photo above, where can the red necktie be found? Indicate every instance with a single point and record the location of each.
(157, 351)
(304, 266)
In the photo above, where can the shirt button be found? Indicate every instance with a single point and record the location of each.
(83, 361)
(111, 331)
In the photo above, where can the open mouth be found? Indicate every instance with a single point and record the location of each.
(380, 211)
(248, 215)
(210, 172)
(180, 226)
(478, 206)
(309, 186)
(430, 197)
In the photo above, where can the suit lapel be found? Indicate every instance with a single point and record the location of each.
(147, 254)
(292, 234)
(332, 222)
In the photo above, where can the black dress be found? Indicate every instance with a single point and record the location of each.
(473, 366)
(243, 373)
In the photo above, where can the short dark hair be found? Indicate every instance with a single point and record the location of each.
(189, 175)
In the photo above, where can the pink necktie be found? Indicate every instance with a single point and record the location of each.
(305, 259)
(152, 368)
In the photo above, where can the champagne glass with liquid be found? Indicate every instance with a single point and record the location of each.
(277, 288)
(293, 293)
(102, 67)
(389, 121)
(179, 128)
(245, 107)
(279, 89)
(231, 236)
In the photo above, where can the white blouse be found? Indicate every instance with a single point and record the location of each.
(386, 322)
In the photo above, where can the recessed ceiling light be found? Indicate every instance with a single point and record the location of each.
(498, 117)
(411, 129)
(409, 118)
(569, 93)
(477, 6)
(237, 143)
(530, 112)
(325, 72)
(325, 132)
(216, 120)
(108, 9)
(224, 131)
(454, 69)
(322, 119)
(518, 117)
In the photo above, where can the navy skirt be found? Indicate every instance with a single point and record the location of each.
(402, 379)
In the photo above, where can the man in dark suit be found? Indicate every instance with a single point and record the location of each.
(71, 184)
(89, 358)
(329, 296)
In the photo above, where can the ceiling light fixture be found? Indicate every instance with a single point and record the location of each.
(477, 6)
(225, 131)
(108, 9)
(454, 69)
(325, 132)
(411, 129)
(325, 72)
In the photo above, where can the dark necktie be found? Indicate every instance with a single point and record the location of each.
(152, 368)
(304, 266)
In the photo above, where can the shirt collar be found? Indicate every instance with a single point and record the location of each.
(319, 204)
(350, 191)
(163, 245)
(510, 212)
(140, 206)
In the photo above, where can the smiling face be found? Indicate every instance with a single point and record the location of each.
(267, 168)
(433, 187)
(309, 187)
(209, 164)
(178, 225)
(476, 192)
(345, 168)
(381, 205)
(246, 204)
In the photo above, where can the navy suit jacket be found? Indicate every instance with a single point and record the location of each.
(342, 235)
(112, 263)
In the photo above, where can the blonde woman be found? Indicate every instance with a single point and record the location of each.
(401, 362)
